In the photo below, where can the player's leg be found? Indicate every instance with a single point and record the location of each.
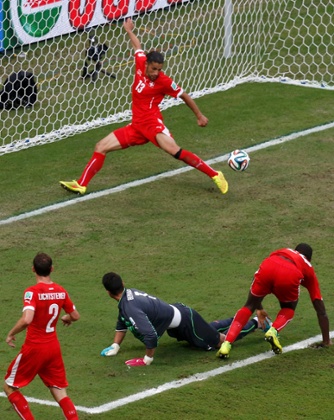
(53, 375)
(65, 403)
(202, 334)
(223, 326)
(198, 332)
(21, 371)
(239, 321)
(108, 144)
(242, 316)
(285, 315)
(168, 144)
(195, 330)
(18, 401)
(286, 289)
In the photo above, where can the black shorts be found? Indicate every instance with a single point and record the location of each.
(194, 329)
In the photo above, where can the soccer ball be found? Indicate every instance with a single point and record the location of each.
(238, 160)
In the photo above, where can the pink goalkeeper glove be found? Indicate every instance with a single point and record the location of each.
(143, 361)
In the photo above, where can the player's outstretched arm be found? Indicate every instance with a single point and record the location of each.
(129, 26)
(320, 309)
(114, 348)
(202, 121)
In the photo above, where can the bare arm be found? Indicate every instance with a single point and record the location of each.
(114, 348)
(262, 314)
(71, 317)
(320, 309)
(21, 325)
(150, 352)
(119, 337)
(202, 121)
(129, 26)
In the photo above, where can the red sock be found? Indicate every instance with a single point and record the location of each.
(68, 408)
(20, 405)
(283, 317)
(92, 168)
(191, 159)
(240, 319)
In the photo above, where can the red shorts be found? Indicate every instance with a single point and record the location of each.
(279, 277)
(136, 135)
(44, 360)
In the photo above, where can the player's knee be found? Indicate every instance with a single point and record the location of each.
(178, 154)
(8, 389)
(99, 147)
(107, 144)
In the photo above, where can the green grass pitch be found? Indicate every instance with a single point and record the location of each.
(180, 239)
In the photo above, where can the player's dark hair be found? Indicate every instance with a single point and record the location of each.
(305, 249)
(42, 264)
(155, 57)
(113, 283)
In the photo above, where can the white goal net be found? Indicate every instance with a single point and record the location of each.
(81, 61)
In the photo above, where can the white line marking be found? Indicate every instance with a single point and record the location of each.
(153, 178)
(186, 381)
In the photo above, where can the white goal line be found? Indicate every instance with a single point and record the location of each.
(182, 382)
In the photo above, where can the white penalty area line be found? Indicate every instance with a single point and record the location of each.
(169, 174)
(186, 381)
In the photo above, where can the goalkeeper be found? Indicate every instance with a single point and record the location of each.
(148, 317)
(150, 87)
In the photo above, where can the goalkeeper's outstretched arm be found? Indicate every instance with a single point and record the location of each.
(114, 348)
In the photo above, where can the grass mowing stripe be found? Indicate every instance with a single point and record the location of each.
(154, 178)
(186, 381)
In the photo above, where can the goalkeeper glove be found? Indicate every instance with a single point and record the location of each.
(140, 362)
(111, 350)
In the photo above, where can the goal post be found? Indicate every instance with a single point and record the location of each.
(81, 58)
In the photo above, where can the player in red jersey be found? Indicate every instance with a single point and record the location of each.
(281, 274)
(149, 88)
(41, 353)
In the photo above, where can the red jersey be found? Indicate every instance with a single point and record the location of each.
(47, 300)
(147, 94)
(308, 277)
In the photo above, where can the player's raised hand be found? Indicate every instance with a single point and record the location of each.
(128, 25)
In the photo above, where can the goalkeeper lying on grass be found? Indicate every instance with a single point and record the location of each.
(148, 317)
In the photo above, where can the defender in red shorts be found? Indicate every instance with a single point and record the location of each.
(41, 354)
(149, 88)
(281, 274)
